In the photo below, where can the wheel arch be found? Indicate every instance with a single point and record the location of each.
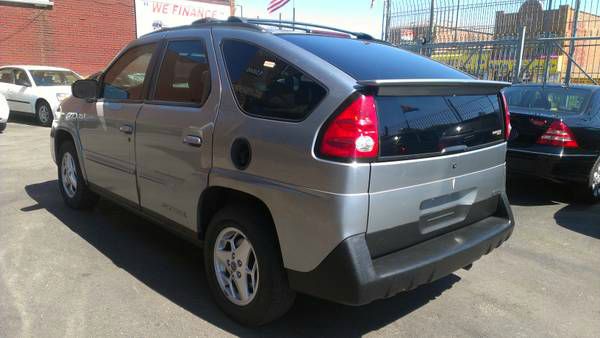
(214, 198)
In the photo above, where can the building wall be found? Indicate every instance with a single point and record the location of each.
(83, 35)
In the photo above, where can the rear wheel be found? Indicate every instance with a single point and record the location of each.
(73, 187)
(43, 113)
(244, 267)
(592, 193)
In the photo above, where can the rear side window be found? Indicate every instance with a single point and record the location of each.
(369, 60)
(559, 100)
(125, 78)
(7, 75)
(418, 126)
(184, 74)
(267, 86)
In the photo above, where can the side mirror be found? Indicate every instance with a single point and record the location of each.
(23, 82)
(85, 89)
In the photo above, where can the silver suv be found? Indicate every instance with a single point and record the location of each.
(307, 160)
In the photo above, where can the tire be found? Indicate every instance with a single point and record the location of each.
(2, 127)
(272, 297)
(592, 191)
(73, 188)
(43, 114)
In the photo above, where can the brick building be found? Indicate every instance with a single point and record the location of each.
(83, 35)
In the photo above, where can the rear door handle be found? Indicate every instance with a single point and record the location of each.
(193, 140)
(126, 129)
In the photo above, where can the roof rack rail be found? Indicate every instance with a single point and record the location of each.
(305, 27)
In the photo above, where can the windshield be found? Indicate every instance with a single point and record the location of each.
(53, 77)
(370, 60)
(554, 99)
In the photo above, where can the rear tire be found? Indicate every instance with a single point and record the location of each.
(43, 114)
(272, 297)
(73, 187)
(592, 191)
(2, 127)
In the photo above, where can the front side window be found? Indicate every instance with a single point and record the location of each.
(125, 78)
(21, 78)
(47, 78)
(267, 86)
(184, 74)
(7, 75)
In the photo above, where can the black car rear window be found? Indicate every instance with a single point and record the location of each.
(418, 126)
(554, 99)
(369, 60)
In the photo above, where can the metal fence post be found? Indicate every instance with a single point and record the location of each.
(519, 56)
(430, 31)
(547, 49)
(572, 43)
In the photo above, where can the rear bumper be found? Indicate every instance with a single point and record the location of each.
(558, 167)
(350, 276)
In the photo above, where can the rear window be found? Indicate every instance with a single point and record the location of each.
(416, 126)
(559, 100)
(368, 60)
(267, 86)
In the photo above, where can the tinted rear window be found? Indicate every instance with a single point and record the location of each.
(559, 100)
(364, 60)
(416, 126)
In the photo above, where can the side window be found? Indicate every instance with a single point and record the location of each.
(125, 78)
(7, 75)
(184, 74)
(267, 86)
(21, 78)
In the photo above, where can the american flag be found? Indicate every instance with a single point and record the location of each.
(276, 4)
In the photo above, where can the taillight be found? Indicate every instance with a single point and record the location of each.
(506, 116)
(558, 135)
(352, 134)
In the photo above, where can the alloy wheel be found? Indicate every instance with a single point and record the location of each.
(236, 266)
(69, 175)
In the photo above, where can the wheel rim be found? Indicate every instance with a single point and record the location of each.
(44, 114)
(596, 182)
(69, 175)
(236, 266)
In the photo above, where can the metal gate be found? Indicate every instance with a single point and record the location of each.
(511, 40)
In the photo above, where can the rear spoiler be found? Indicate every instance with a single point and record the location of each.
(431, 87)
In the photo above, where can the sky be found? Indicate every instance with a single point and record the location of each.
(352, 15)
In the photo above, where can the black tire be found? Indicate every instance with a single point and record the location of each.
(592, 190)
(2, 127)
(83, 197)
(273, 296)
(43, 114)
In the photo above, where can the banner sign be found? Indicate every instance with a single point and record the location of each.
(151, 15)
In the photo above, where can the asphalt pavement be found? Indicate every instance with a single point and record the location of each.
(107, 272)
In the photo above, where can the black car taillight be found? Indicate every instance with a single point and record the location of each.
(558, 135)
(353, 133)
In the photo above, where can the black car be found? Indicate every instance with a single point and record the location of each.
(556, 134)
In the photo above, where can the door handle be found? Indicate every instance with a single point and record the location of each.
(126, 129)
(192, 140)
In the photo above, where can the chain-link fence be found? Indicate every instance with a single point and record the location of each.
(545, 40)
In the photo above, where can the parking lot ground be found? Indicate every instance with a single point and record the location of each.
(108, 272)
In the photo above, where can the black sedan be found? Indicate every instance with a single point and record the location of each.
(556, 134)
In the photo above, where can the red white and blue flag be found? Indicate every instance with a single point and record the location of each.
(276, 4)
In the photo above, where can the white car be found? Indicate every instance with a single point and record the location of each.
(36, 90)
(3, 113)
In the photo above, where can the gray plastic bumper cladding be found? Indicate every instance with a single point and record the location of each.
(349, 274)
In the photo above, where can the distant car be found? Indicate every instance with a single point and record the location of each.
(556, 134)
(4, 111)
(36, 90)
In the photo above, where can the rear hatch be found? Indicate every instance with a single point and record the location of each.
(441, 163)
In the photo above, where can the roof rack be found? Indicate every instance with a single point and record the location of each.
(255, 23)
(303, 26)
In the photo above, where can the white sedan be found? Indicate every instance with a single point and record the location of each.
(36, 90)
(4, 111)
